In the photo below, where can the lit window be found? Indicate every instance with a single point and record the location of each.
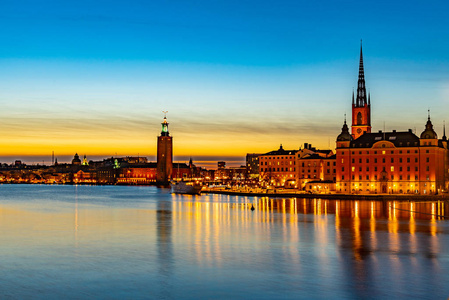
(383, 152)
(392, 169)
(353, 169)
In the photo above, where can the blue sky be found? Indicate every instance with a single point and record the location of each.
(236, 76)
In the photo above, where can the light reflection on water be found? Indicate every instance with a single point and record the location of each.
(142, 242)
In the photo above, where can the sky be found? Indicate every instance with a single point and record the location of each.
(236, 77)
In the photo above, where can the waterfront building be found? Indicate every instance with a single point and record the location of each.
(164, 155)
(278, 168)
(315, 165)
(252, 165)
(395, 162)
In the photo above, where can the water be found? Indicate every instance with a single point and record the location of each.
(117, 242)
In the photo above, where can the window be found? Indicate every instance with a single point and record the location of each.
(375, 160)
(427, 151)
(375, 152)
(416, 177)
(427, 177)
(375, 169)
(408, 177)
(367, 160)
(375, 177)
(342, 177)
(392, 152)
(392, 169)
(408, 168)
(353, 169)
(400, 159)
(383, 160)
(360, 160)
(383, 152)
(392, 160)
(416, 169)
(360, 169)
(353, 177)
(360, 177)
(416, 159)
(367, 169)
(400, 177)
(328, 164)
(392, 177)
(303, 163)
(427, 159)
(367, 177)
(427, 168)
(353, 160)
(400, 169)
(408, 159)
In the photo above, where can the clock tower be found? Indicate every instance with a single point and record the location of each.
(361, 108)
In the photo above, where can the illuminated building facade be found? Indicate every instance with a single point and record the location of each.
(278, 168)
(164, 155)
(388, 162)
(315, 165)
(252, 165)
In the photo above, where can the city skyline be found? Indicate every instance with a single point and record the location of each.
(235, 78)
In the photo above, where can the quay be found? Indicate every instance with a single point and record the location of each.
(284, 193)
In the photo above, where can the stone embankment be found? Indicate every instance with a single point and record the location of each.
(298, 194)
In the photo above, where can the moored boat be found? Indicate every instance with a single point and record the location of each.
(186, 187)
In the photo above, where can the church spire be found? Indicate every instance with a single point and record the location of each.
(361, 90)
(444, 131)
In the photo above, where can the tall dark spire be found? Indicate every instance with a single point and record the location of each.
(361, 90)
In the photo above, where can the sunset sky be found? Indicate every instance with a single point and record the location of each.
(236, 77)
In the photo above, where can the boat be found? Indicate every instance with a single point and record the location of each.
(186, 187)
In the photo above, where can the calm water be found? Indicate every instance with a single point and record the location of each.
(144, 243)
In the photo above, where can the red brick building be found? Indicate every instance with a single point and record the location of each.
(388, 162)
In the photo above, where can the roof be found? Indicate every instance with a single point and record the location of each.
(282, 152)
(399, 139)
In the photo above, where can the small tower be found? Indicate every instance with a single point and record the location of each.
(361, 107)
(164, 155)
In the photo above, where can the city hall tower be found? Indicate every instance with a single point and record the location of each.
(164, 155)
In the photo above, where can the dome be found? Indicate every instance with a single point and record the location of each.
(344, 135)
(429, 133)
(76, 160)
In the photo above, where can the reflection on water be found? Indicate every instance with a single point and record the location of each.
(142, 242)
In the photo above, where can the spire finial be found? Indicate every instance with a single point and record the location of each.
(444, 129)
(345, 118)
(428, 114)
(353, 96)
(165, 113)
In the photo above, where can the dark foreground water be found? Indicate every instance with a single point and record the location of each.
(63, 242)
